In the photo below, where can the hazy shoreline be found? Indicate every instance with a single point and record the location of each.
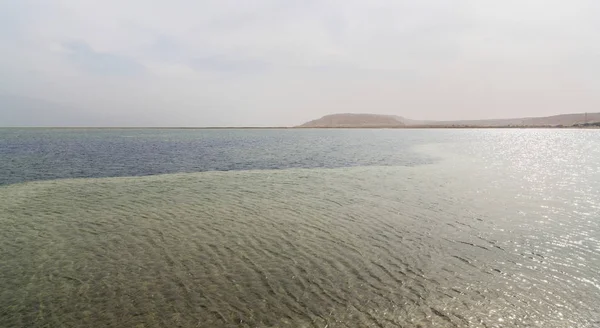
(378, 121)
(291, 127)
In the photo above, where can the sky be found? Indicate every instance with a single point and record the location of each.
(281, 63)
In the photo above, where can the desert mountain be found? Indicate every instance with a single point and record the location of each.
(383, 121)
(354, 121)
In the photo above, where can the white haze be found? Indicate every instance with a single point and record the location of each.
(262, 62)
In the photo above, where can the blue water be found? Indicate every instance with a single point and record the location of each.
(45, 154)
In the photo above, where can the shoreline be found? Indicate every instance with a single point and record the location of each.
(590, 127)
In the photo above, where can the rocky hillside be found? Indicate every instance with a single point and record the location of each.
(355, 121)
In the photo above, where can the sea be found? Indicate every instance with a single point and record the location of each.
(299, 228)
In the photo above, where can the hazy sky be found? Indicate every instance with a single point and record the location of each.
(263, 62)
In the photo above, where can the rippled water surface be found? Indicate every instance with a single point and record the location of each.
(299, 228)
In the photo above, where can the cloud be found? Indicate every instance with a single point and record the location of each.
(271, 62)
(165, 48)
(98, 63)
(229, 65)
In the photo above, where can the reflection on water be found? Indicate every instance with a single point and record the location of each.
(502, 232)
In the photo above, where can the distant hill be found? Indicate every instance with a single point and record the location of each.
(387, 121)
(556, 120)
(355, 121)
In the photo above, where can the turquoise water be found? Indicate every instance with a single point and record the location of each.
(484, 228)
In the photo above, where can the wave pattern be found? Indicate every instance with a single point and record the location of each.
(353, 247)
(47, 154)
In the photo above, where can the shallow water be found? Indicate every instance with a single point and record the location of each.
(497, 228)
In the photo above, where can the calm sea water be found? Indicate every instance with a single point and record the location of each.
(299, 228)
(43, 154)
